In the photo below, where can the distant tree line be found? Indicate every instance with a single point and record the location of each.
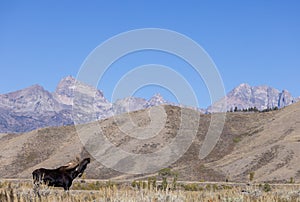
(252, 109)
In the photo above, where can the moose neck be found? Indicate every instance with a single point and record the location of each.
(81, 167)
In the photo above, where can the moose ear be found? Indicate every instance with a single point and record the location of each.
(77, 158)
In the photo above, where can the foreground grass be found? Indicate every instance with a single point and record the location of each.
(109, 191)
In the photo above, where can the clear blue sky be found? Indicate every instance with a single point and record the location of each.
(257, 42)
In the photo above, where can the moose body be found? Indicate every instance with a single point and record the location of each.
(59, 177)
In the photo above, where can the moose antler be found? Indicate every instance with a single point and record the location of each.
(72, 164)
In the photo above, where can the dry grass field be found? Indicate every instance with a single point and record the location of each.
(93, 190)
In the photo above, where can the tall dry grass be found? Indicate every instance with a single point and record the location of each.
(116, 192)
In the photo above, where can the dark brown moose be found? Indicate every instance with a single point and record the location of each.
(60, 177)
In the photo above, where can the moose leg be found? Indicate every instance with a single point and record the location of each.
(67, 183)
(66, 188)
(36, 189)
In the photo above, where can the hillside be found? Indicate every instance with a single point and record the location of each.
(266, 143)
(273, 153)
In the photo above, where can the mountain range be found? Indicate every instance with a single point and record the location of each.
(34, 107)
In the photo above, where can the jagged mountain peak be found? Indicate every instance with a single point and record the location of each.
(67, 82)
(285, 99)
(129, 104)
(243, 85)
(262, 97)
(155, 100)
(33, 99)
(69, 87)
(64, 92)
(86, 102)
(69, 78)
(245, 88)
(32, 92)
(34, 88)
(157, 96)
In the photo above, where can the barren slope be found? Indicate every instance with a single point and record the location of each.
(273, 153)
(267, 143)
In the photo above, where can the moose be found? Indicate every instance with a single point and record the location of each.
(62, 176)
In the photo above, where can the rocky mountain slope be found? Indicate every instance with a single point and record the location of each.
(261, 97)
(34, 107)
(264, 143)
(76, 102)
(29, 109)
